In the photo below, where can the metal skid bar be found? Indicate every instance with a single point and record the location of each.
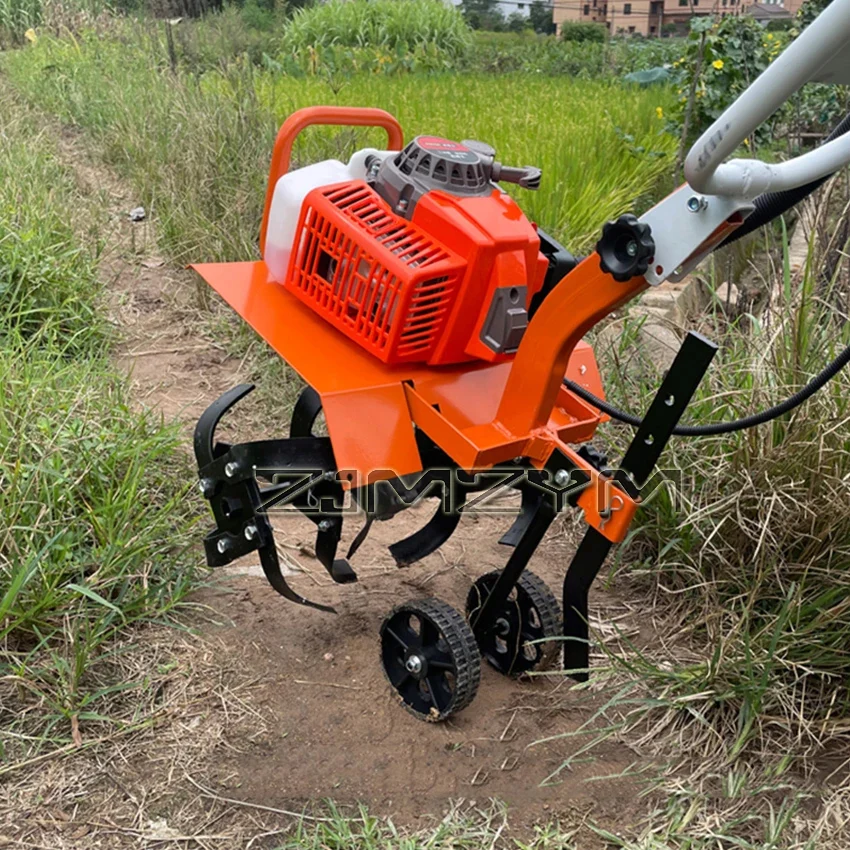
(643, 453)
(485, 617)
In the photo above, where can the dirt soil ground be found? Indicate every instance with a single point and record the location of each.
(335, 729)
(282, 705)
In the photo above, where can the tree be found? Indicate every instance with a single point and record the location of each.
(483, 14)
(540, 17)
(582, 31)
(517, 22)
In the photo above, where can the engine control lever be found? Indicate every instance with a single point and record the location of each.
(526, 176)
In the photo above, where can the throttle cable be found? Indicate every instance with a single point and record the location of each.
(827, 374)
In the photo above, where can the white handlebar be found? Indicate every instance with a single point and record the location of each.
(826, 42)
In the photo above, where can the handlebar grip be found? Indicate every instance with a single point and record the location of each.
(343, 116)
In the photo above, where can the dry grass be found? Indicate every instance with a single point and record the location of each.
(162, 779)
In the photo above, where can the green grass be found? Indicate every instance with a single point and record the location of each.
(91, 514)
(18, 17)
(752, 550)
(389, 24)
(48, 282)
(471, 829)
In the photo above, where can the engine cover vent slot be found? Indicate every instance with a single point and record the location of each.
(375, 276)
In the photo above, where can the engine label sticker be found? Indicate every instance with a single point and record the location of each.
(449, 149)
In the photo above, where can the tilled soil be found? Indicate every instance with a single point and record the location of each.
(335, 728)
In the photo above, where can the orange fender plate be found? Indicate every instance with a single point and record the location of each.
(371, 408)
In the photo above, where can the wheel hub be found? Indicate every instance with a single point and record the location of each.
(430, 658)
(531, 614)
(414, 664)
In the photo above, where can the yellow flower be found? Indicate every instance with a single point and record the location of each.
(769, 36)
(30, 36)
(747, 142)
(659, 112)
(717, 64)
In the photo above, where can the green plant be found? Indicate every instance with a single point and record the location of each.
(18, 18)
(92, 524)
(379, 23)
(582, 32)
(752, 540)
(540, 15)
(91, 506)
(483, 14)
(720, 60)
(47, 279)
(216, 133)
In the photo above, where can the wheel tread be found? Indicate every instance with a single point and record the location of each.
(548, 608)
(463, 647)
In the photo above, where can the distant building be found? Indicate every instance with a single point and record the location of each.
(654, 17)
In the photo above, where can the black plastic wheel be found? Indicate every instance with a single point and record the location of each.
(430, 658)
(532, 613)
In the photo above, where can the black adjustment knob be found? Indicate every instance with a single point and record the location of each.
(626, 248)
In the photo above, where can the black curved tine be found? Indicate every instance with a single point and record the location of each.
(208, 422)
(274, 576)
(304, 414)
(327, 539)
(530, 502)
(429, 538)
(361, 536)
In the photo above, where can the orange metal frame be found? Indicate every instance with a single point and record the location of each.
(480, 414)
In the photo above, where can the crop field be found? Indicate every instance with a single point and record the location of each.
(147, 702)
(193, 145)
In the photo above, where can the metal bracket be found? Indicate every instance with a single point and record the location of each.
(683, 223)
(667, 407)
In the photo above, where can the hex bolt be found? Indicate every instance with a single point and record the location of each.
(631, 248)
(562, 477)
(697, 203)
(223, 545)
(413, 664)
(230, 469)
(329, 475)
(325, 525)
(206, 486)
(250, 532)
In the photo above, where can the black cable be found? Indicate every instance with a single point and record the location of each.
(827, 374)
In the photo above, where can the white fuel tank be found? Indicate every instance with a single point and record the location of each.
(289, 194)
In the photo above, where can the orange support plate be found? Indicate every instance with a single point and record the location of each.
(370, 407)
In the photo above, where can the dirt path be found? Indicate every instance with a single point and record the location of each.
(173, 369)
(301, 711)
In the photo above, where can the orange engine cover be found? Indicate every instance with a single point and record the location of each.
(413, 291)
